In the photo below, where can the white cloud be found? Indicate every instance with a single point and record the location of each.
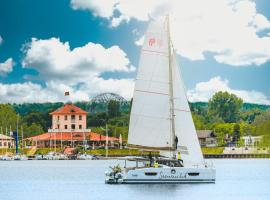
(227, 28)
(140, 41)
(54, 92)
(6, 67)
(55, 60)
(203, 91)
(102, 8)
(75, 70)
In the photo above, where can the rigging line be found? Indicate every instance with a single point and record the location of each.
(153, 117)
(158, 52)
(162, 82)
(182, 110)
(145, 91)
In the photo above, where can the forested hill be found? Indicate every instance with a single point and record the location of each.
(245, 107)
(26, 108)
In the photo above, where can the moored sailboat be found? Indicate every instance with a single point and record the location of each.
(161, 120)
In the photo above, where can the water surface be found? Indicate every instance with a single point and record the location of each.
(237, 179)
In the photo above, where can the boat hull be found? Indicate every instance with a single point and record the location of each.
(167, 175)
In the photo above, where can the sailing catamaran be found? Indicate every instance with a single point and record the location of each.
(161, 120)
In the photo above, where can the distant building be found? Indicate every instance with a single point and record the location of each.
(252, 140)
(69, 129)
(68, 118)
(6, 141)
(207, 138)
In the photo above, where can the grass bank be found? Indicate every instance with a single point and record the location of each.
(212, 150)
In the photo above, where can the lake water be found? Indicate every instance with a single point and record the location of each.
(246, 179)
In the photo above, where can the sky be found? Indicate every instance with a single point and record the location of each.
(88, 47)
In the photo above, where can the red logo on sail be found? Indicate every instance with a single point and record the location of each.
(154, 41)
(151, 41)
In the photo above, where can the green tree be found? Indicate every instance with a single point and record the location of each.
(32, 130)
(236, 133)
(37, 118)
(8, 117)
(198, 121)
(262, 118)
(226, 106)
(113, 109)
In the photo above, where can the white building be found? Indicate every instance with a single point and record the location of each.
(251, 140)
(6, 141)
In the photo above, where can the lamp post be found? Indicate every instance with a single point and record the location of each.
(106, 140)
(106, 144)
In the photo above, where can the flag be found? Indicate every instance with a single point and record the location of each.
(66, 93)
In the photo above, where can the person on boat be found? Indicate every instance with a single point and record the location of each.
(176, 141)
(156, 164)
(180, 161)
(151, 159)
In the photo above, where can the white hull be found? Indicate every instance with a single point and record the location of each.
(163, 175)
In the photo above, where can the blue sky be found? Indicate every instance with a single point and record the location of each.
(88, 47)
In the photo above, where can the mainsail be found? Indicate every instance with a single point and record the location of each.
(160, 109)
(150, 124)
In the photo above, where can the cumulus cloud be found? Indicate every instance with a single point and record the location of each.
(55, 60)
(203, 91)
(102, 8)
(139, 42)
(54, 92)
(77, 70)
(227, 28)
(6, 67)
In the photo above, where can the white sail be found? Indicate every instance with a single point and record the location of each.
(188, 142)
(150, 124)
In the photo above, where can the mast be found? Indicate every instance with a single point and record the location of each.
(171, 85)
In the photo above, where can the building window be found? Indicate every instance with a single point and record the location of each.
(58, 126)
(58, 117)
(0, 144)
(65, 117)
(80, 126)
(72, 126)
(73, 117)
(80, 117)
(66, 127)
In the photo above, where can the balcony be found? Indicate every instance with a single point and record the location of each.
(68, 130)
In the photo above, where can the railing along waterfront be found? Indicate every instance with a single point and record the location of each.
(68, 130)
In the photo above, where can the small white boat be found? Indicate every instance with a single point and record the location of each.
(161, 119)
(54, 156)
(86, 157)
(20, 157)
(7, 157)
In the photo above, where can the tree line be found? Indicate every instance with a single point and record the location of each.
(225, 113)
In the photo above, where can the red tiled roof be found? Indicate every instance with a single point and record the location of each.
(68, 136)
(68, 109)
